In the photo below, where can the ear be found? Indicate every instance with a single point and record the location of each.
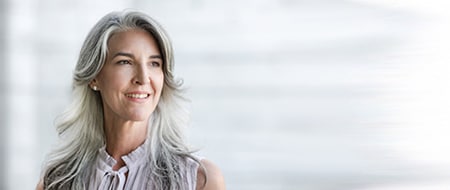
(94, 85)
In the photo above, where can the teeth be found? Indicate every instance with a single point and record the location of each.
(140, 96)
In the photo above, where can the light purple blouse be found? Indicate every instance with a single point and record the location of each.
(137, 165)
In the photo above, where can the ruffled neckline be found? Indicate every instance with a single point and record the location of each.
(133, 159)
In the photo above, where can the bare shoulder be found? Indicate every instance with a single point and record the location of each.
(213, 176)
(40, 185)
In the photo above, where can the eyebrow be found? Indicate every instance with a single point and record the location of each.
(132, 56)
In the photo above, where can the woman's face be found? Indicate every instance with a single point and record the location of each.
(131, 80)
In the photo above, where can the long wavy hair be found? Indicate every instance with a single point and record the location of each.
(81, 127)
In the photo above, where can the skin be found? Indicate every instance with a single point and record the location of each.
(134, 66)
(215, 180)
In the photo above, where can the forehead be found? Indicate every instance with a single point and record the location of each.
(133, 40)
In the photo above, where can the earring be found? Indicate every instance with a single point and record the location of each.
(94, 88)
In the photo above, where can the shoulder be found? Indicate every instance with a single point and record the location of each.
(212, 174)
(40, 185)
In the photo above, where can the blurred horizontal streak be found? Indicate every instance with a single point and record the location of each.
(286, 92)
(432, 184)
(282, 74)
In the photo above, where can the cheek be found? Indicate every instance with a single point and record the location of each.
(111, 88)
(159, 82)
(159, 85)
(114, 79)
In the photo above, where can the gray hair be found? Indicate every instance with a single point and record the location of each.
(81, 126)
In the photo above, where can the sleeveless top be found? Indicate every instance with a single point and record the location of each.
(132, 176)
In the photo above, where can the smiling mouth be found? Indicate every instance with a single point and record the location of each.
(138, 96)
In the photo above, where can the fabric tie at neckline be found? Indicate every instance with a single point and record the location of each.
(113, 180)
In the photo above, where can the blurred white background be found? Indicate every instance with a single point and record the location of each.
(286, 94)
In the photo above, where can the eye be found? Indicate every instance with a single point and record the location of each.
(124, 62)
(156, 64)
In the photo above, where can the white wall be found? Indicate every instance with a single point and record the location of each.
(3, 112)
(285, 94)
(21, 94)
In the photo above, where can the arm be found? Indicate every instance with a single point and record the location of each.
(214, 177)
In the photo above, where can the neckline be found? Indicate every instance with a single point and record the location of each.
(131, 160)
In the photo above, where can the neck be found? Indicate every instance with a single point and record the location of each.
(122, 137)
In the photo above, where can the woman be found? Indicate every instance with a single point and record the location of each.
(123, 130)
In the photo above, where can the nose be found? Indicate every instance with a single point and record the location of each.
(142, 76)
